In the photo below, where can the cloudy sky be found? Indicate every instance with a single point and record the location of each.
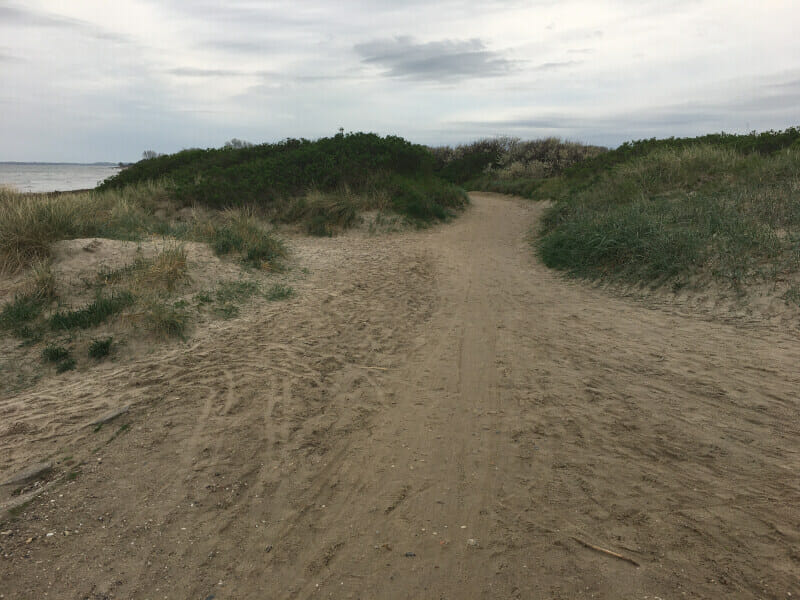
(84, 80)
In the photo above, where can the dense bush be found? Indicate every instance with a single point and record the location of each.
(269, 175)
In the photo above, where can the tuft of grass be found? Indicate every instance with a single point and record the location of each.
(242, 233)
(99, 311)
(164, 320)
(100, 348)
(163, 272)
(54, 353)
(226, 311)
(236, 291)
(16, 314)
(203, 298)
(325, 213)
(279, 292)
(231, 293)
(68, 364)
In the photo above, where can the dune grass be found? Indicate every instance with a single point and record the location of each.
(30, 223)
(509, 165)
(161, 273)
(240, 231)
(100, 310)
(678, 211)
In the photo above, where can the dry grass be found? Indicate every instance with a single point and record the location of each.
(242, 231)
(30, 223)
(147, 276)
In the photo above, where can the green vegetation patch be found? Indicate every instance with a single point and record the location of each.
(165, 320)
(20, 311)
(95, 313)
(242, 233)
(100, 348)
(279, 291)
(321, 183)
(54, 353)
(508, 164)
(659, 211)
(30, 223)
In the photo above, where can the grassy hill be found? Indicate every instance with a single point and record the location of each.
(721, 207)
(325, 181)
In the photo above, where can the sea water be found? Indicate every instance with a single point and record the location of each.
(52, 177)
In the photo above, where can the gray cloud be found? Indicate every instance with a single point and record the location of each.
(761, 109)
(193, 72)
(243, 46)
(444, 60)
(16, 16)
(550, 66)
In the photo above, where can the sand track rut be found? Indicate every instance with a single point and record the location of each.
(434, 393)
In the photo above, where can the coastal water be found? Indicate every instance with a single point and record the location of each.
(51, 177)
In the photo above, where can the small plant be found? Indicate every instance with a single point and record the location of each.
(792, 295)
(164, 320)
(68, 364)
(236, 291)
(203, 298)
(163, 272)
(53, 353)
(226, 311)
(100, 348)
(16, 314)
(279, 292)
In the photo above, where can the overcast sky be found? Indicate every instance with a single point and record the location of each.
(84, 80)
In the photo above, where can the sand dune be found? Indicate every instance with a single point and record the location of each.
(433, 415)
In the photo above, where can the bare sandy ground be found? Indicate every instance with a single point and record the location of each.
(434, 415)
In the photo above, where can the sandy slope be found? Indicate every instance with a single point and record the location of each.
(421, 391)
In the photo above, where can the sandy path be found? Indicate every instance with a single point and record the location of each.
(438, 394)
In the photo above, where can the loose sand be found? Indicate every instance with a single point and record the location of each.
(433, 415)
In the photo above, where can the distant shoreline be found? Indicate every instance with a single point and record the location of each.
(76, 164)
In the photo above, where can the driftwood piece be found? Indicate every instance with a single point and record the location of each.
(605, 551)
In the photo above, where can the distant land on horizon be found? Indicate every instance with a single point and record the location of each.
(31, 162)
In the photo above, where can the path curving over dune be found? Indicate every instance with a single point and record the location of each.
(435, 415)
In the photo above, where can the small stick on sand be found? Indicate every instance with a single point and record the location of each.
(604, 551)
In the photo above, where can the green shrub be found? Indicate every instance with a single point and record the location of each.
(100, 348)
(321, 183)
(20, 311)
(54, 353)
(68, 364)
